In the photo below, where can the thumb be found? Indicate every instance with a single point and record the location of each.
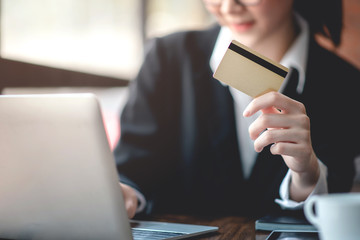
(130, 199)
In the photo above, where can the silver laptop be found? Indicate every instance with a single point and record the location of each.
(58, 178)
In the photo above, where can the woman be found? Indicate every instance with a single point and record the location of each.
(191, 144)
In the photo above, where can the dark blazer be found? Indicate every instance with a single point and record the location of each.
(178, 141)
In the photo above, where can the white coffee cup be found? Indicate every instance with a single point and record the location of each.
(337, 216)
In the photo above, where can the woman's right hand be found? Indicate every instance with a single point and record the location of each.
(130, 199)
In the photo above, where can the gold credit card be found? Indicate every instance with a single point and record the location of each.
(249, 71)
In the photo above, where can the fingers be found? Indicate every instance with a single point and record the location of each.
(279, 121)
(297, 151)
(130, 199)
(283, 123)
(273, 100)
(285, 126)
(285, 141)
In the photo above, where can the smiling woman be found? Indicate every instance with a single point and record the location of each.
(189, 144)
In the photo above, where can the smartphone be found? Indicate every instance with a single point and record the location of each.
(291, 235)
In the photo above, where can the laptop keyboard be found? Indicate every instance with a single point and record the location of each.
(139, 234)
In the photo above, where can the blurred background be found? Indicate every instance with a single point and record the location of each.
(56, 46)
(95, 36)
(94, 46)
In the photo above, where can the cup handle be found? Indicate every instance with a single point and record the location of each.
(309, 210)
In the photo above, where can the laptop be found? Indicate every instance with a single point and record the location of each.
(58, 178)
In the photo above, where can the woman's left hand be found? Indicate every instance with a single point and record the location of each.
(285, 124)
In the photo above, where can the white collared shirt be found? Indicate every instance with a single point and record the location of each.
(295, 57)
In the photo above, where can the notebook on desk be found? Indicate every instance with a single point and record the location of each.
(58, 178)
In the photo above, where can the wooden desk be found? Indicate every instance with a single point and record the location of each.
(232, 227)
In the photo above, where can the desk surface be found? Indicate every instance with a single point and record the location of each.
(231, 227)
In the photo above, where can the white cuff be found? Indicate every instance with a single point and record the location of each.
(141, 200)
(321, 188)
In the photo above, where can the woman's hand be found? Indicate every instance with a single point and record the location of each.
(285, 124)
(130, 199)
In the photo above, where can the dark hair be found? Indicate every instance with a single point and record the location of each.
(324, 17)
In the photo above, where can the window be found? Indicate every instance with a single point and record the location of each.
(94, 36)
(102, 37)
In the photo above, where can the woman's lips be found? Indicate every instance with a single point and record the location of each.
(241, 27)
